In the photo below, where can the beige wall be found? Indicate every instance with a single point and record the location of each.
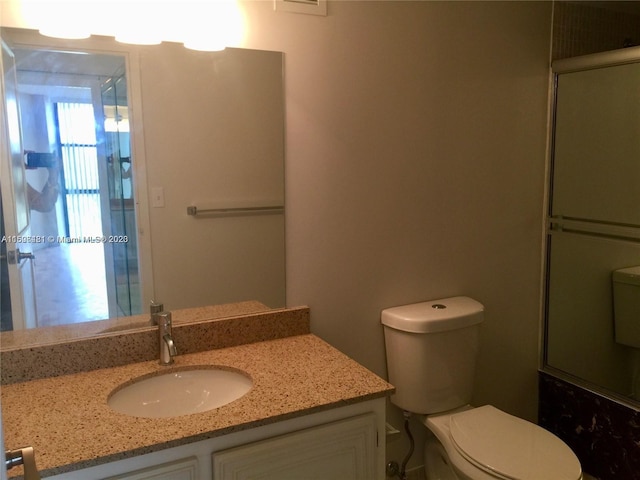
(416, 140)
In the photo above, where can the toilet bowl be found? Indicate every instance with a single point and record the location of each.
(486, 443)
(431, 356)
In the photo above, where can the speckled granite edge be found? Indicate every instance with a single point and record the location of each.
(122, 348)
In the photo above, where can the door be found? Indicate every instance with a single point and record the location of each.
(17, 266)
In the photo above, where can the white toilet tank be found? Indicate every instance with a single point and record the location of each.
(432, 349)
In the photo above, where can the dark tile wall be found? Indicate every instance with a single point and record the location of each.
(581, 28)
(604, 434)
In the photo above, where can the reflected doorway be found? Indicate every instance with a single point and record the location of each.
(75, 135)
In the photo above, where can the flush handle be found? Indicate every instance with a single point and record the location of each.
(23, 456)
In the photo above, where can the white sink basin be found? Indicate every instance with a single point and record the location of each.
(179, 392)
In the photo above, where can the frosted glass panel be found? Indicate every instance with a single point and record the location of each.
(580, 325)
(597, 145)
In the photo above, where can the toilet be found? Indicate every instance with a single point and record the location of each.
(431, 357)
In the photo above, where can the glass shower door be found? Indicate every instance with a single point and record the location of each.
(594, 221)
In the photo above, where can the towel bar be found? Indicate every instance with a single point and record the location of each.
(194, 211)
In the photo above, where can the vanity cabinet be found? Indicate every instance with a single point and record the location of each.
(346, 443)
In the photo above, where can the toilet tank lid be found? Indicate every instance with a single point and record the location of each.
(434, 316)
(630, 275)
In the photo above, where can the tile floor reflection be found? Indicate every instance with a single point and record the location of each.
(70, 284)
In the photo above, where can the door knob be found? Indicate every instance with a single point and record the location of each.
(23, 456)
(24, 255)
(15, 257)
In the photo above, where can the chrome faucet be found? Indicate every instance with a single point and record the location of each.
(167, 347)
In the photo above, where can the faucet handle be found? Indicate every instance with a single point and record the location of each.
(155, 309)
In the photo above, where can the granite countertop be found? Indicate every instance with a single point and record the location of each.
(66, 418)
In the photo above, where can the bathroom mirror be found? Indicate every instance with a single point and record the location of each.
(593, 286)
(170, 129)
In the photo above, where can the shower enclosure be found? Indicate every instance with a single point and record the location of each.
(594, 218)
(121, 194)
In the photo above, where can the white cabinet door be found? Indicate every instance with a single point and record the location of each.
(186, 469)
(344, 449)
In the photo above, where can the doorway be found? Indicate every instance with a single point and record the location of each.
(82, 238)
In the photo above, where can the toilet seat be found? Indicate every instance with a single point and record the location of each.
(504, 446)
